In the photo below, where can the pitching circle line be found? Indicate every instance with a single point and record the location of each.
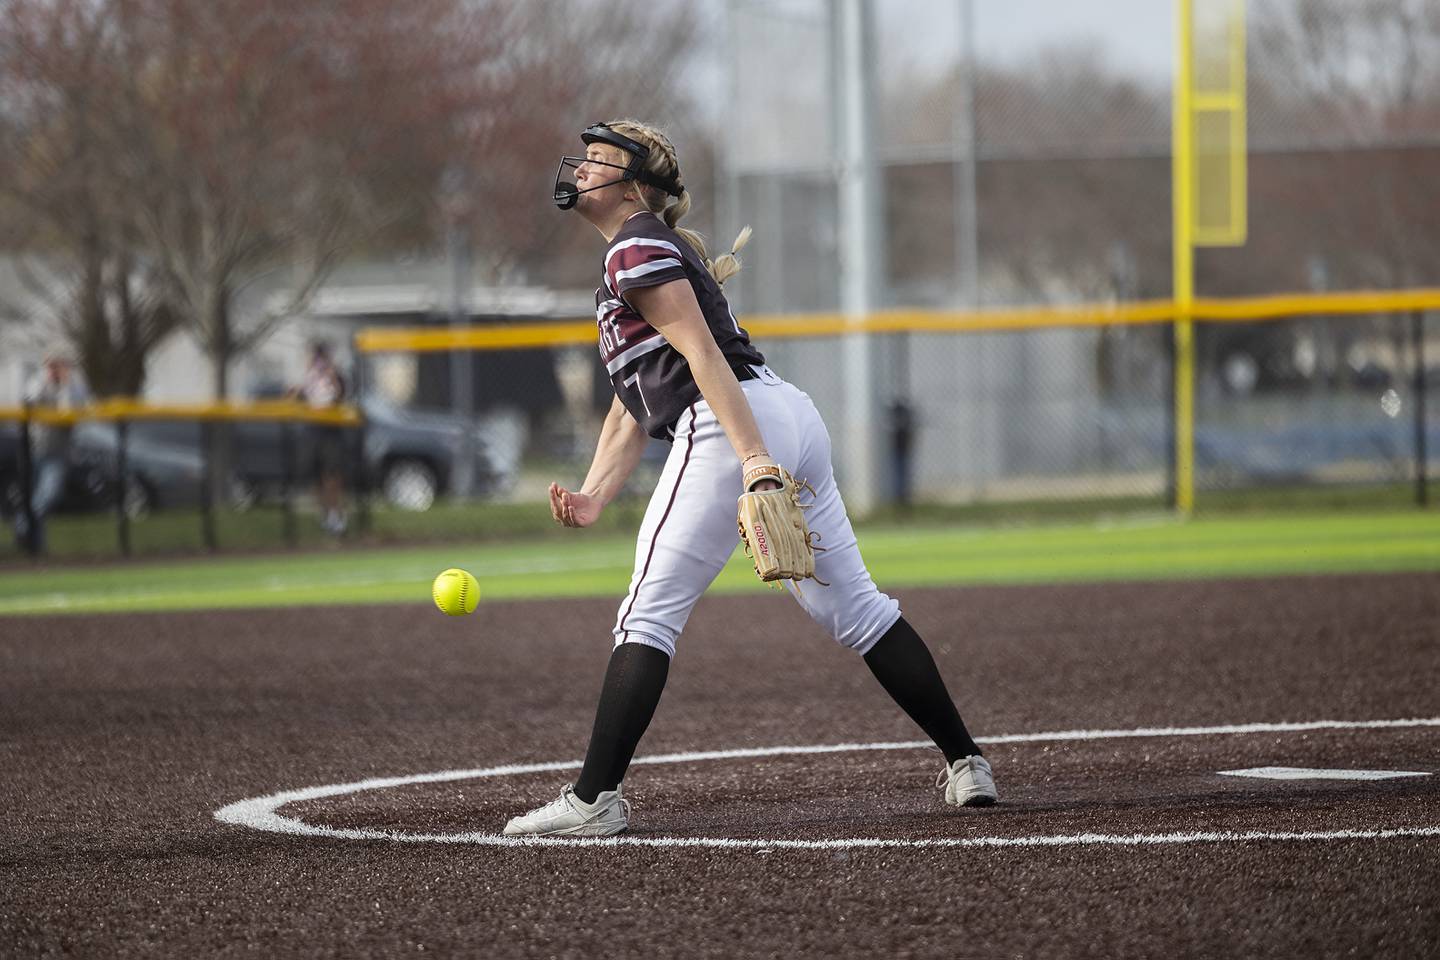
(261, 813)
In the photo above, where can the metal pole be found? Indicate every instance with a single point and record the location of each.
(1422, 453)
(27, 487)
(1182, 252)
(967, 195)
(362, 475)
(361, 483)
(287, 476)
(967, 217)
(207, 493)
(859, 250)
(122, 467)
(729, 224)
(1171, 482)
(462, 371)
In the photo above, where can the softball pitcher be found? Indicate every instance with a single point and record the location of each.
(684, 370)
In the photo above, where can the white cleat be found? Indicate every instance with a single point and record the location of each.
(968, 783)
(569, 816)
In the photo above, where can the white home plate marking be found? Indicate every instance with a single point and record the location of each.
(1311, 773)
(260, 813)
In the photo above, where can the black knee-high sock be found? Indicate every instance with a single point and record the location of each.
(903, 665)
(633, 682)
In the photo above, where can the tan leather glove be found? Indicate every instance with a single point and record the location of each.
(772, 525)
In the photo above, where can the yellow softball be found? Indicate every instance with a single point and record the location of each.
(456, 592)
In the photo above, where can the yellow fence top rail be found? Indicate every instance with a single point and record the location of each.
(518, 336)
(279, 410)
(1308, 304)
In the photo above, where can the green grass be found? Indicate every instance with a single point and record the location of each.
(589, 563)
(176, 532)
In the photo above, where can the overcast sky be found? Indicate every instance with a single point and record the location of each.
(1135, 35)
(1131, 36)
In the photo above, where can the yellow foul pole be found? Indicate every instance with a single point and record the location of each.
(1182, 169)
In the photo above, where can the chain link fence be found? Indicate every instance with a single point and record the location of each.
(1034, 168)
(1022, 157)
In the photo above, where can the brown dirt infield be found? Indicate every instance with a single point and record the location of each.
(121, 736)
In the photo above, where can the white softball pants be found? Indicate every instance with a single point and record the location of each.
(689, 529)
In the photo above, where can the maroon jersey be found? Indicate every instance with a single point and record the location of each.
(650, 377)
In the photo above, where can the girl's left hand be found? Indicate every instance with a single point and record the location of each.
(573, 509)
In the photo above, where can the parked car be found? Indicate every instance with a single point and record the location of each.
(411, 456)
(415, 455)
(157, 473)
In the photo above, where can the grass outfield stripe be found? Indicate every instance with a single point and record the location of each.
(1144, 548)
(384, 568)
(953, 555)
(1131, 560)
(1196, 535)
(996, 541)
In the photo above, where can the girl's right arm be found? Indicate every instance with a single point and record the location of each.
(622, 442)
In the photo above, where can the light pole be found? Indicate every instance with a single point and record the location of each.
(455, 199)
(860, 246)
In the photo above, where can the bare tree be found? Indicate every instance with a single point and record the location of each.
(256, 135)
(1071, 169)
(1350, 91)
(73, 240)
(207, 146)
(570, 63)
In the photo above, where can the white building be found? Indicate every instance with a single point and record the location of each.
(355, 296)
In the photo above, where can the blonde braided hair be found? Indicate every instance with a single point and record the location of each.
(664, 163)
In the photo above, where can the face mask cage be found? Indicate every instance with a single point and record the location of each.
(566, 193)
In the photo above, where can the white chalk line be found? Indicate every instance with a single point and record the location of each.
(851, 843)
(260, 813)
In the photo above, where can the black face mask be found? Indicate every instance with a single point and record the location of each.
(566, 193)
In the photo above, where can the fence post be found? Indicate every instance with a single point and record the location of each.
(207, 493)
(1422, 454)
(361, 464)
(1171, 450)
(122, 468)
(27, 487)
(362, 476)
(287, 477)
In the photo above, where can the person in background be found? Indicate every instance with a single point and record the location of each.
(58, 386)
(324, 386)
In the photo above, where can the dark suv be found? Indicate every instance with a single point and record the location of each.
(411, 456)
